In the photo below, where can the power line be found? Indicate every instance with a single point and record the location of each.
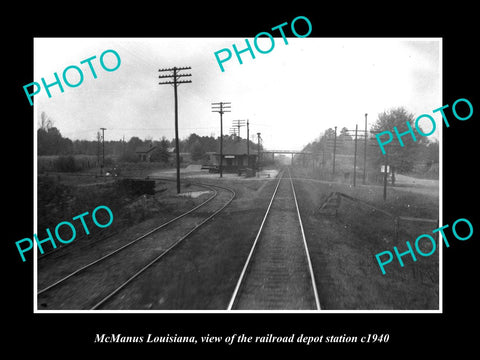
(259, 138)
(103, 150)
(221, 108)
(238, 124)
(172, 79)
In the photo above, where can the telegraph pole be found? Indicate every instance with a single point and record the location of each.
(334, 150)
(238, 124)
(173, 80)
(103, 150)
(355, 157)
(258, 155)
(248, 145)
(385, 177)
(233, 131)
(221, 108)
(98, 151)
(365, 153)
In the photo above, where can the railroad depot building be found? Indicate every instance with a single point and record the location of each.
(236, 158)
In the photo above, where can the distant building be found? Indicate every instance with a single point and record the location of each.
(145, 152)
(235, 158)
(184, 156)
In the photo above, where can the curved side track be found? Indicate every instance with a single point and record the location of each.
(63, 247)
(165, 252)
(95, 283)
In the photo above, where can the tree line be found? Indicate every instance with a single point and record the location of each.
(51, 142)
(415, 156)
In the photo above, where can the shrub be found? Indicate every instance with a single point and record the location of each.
(66, 164)
(129, 157)
(136, 186)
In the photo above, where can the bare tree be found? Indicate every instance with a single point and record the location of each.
(45, 122)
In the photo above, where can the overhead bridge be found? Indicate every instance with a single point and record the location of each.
(293, 152)
(305, 154)
(285, 151)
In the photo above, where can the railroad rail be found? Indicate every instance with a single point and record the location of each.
(278, 273)
(151, 245)
(62, 247)
(111, 253)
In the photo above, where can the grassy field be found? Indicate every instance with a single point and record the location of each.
(343, 249)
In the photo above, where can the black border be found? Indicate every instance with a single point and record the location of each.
(408, 332)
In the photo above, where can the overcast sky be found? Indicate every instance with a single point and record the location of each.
(290, 95)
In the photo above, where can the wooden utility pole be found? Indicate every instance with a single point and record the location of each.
(233, 131)
(175, 82)
(239, 124)
(334, 150)
(365, 153)
(258, 155)
(98, 150)
(248, 144)
(103, 150)
(221, 108)
(385, 177)
(355, 157)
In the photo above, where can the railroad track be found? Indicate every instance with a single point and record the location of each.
(62, 249)
(94, 284)
(278, 273)
(97, 250)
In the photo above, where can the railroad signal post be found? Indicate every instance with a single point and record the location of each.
(103, 151)
(385, 177)
(386, 167)
(174, 80)
(221, 108)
